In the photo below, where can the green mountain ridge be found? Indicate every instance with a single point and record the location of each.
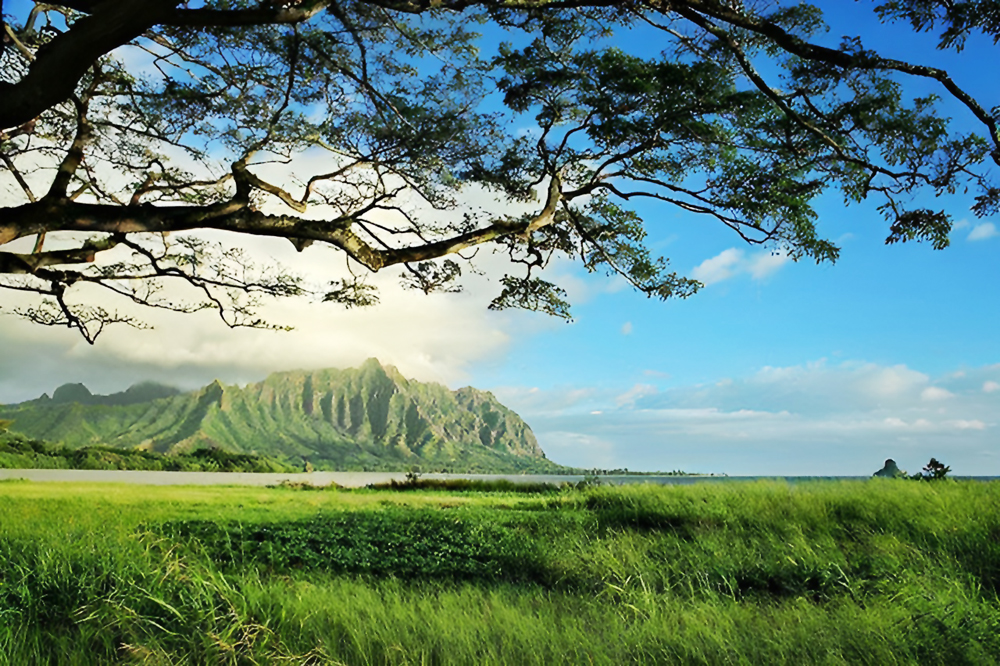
(142, 392)
(369, 418)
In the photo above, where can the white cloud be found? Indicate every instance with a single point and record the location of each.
(638, 391)
(578, 449)
(627, 328)
(763, 265)
(983, 231)
(934, 393)
(430, 338)
(403, 330)
(973, 424)
(888, 382)
(720, 267)
(732, 262)
(559, 400)
(812, 419)
(990, 386)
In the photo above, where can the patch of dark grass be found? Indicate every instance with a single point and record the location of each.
(407, 544)
(468, 485)
(288, 484)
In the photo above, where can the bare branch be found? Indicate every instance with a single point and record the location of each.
(30, 263)
(18, 177)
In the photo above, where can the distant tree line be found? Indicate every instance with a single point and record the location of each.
(17, 452)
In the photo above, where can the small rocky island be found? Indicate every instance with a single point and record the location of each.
(890, 470)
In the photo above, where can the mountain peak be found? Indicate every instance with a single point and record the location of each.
(72, 393)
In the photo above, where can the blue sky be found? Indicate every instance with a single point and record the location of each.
(775, 367)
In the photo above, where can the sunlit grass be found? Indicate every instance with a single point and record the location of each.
(827, 572)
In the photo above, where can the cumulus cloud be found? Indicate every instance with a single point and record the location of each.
(972, 424)
(732, 262)
(990, 386)
(933, 393)
(811, 419)
(763, 265)
(431, 338)
(812, 388)
(983, 231)
(888, 382)
(720, 267)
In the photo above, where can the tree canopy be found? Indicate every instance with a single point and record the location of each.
(379, 128)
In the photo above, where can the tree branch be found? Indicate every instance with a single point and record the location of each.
(28, 264)
(58, 67)
(864, 60)
(50, 215)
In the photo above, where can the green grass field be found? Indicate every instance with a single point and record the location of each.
(877, 572)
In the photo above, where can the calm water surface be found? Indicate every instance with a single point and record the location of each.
(361, 479)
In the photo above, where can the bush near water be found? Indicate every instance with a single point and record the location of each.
(876, 572)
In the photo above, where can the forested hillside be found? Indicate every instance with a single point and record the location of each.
(369, 418)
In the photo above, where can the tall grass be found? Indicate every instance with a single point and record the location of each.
(846, 572)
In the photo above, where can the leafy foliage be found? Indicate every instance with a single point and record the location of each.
(409, 135)
(933, 471)
(351, 294)
(958, 18)
(532, 294)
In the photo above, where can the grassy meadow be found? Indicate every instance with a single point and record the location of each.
(875, 572)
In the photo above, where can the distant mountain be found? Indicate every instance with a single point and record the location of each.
(369, 418)
(143, 392)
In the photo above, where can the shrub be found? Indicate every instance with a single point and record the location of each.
(933, 471)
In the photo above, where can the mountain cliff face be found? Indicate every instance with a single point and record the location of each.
(369, 418)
